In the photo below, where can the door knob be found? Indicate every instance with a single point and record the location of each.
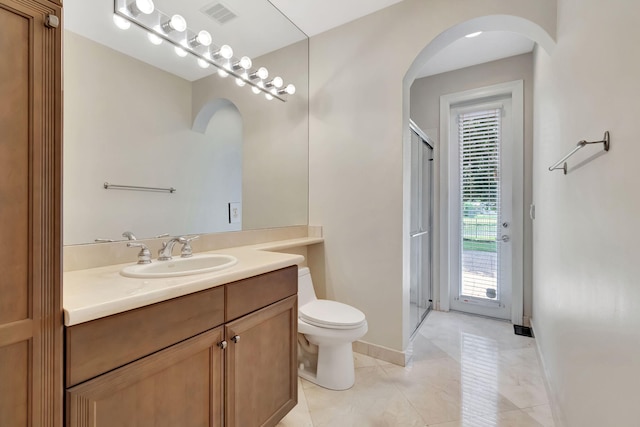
(235, 338)
(222, 344)
(505, 238)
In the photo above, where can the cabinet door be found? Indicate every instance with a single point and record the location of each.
(261, 371)
(179, 386)
(30, 141)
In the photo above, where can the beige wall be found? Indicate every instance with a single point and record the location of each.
(425, 111)
(275, 149)
(356, 147)
(586, 300)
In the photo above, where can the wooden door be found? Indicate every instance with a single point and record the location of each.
(179, 386)
(30, 160)
(261, 366)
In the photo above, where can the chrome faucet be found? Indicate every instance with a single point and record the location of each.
(144, 256)
(187, 252)
(165, 253)
(129, 235)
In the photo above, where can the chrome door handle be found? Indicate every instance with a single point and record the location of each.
(222, 344)
(505, 238)
(235, 338)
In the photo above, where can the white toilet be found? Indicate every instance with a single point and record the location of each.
(326, 331)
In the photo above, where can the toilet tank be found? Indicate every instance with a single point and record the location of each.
(306, 293)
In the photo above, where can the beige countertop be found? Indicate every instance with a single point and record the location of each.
(99, 292)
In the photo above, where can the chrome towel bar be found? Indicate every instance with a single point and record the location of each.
(606, 141)
(108, 186)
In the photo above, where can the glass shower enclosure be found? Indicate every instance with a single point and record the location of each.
(421, 237)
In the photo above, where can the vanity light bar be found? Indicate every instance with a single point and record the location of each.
(161, 26)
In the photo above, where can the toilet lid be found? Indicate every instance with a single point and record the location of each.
(331, 314)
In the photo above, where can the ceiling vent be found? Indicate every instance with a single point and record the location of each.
(218, 12)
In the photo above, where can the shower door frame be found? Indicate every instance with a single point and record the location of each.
(423, 233)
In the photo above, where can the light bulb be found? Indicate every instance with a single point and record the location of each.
(240, 82)
(203, 38)
(225, 52)
(245, 62)
(268, 96)
(121, 23)
(277, 82)
(180, 52)
(202, 63)
(222, 73)
(154, 39)
(262, 72)
(255, 90)
(176, 23)
(142, 6)
(290, 89)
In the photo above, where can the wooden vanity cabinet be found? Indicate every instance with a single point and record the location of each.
(231, 360)
(179, 386)
(261, 370)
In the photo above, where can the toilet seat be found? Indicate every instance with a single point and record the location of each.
(331, 314)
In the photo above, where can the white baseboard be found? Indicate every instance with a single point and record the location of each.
(556, 411)
(382, 353)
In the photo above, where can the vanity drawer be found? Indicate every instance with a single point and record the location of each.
(254, 293)
(104, 344)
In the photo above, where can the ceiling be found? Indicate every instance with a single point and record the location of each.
(260, 28)
(317, 16)
(465, 52)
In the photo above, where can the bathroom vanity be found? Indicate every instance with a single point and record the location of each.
(224, 354)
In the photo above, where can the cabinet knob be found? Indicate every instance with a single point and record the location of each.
(222, 344)
(52, 21)
(236, 338)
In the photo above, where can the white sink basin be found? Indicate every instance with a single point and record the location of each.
(196, 264)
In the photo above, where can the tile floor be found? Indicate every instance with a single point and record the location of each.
(466, 371)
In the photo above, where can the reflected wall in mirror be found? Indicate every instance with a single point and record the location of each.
(138, 114)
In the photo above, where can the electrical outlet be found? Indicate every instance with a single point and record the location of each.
(235, 212)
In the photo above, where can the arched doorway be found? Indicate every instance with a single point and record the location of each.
(442, 226)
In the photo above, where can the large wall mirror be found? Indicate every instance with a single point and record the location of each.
(139, 114)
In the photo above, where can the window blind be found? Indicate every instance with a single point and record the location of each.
(479, 145)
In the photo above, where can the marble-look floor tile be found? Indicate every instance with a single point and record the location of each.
(520, 378)
(541, 414)
(362, 360)
(372, 401)
(442, 391)
(465, 371)
(424, 349)
(300, 415)
(515, 418)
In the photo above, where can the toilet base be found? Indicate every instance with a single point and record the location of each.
(335, 369)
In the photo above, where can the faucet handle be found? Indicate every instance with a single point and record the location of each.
(186, 246)
(129, 235)
(144, 256)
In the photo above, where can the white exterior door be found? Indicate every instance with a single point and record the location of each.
(481, 175)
